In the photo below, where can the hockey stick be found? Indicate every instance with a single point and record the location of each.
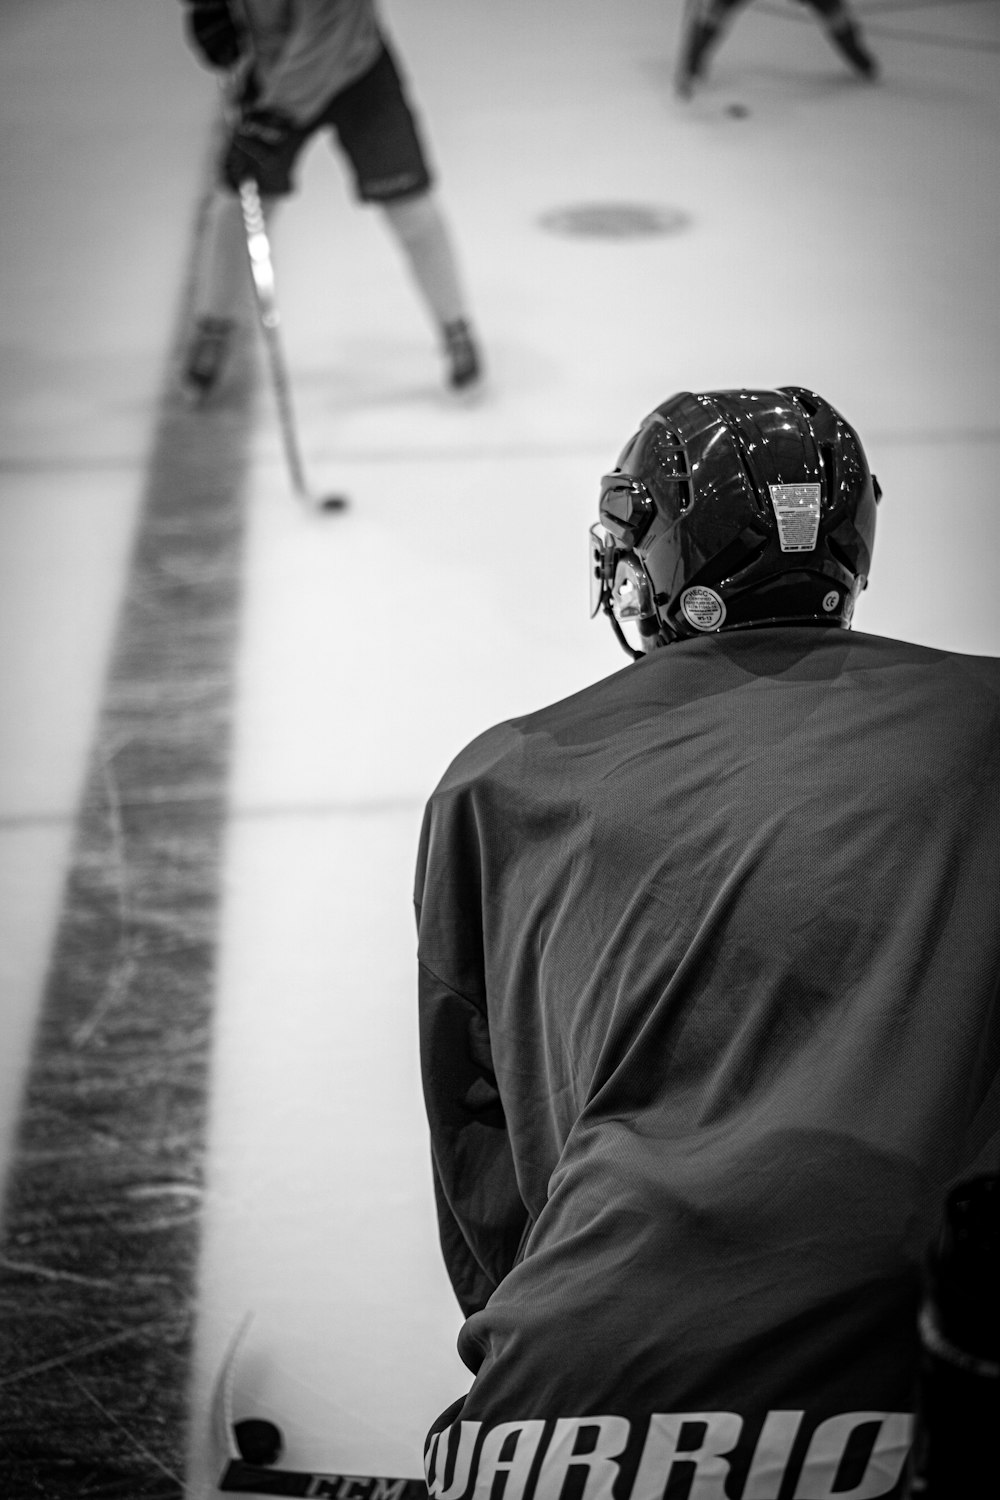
(253, 1446)
(262, 271)
(223, 1422)
(242, 1478)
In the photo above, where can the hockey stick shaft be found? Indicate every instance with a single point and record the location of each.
(262, 271)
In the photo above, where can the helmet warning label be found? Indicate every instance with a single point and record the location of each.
(796, 510)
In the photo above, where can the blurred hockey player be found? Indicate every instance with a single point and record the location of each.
(706, 20)
(709, 987)
(305, 67)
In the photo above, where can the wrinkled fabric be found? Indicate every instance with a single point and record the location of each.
(304, 52)
(709, 969)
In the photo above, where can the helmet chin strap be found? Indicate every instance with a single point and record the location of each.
(619, 632)
(662, 635)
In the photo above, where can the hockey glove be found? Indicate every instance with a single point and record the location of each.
(262, 146)
(213, 32)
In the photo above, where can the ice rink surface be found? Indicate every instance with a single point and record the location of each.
(835, 235)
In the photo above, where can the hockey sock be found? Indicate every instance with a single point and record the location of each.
(420, 228)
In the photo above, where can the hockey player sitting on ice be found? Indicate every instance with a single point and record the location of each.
(709, 975)
(305, 67)
(705, 21)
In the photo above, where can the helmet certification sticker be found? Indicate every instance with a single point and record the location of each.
(830, 601)
(796, 510)
(703, 608)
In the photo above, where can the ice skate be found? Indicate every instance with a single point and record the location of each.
(847, 40)
(464, 369)
(209, 350)
(691, 69)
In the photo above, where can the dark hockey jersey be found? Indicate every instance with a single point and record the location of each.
(709, 972)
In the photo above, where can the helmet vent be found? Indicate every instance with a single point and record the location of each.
(672, 469)
(752, 479)
(841, 555)
(828, 462)
(807, 400)
(742, 553)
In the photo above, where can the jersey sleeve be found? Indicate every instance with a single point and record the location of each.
(482, 1218)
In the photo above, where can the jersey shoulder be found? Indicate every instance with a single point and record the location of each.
(955, 672)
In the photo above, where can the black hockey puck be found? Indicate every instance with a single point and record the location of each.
(259, 1441)
(333, 502)
(737, 111)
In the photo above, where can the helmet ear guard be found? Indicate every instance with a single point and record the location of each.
(619, 583)
(626, 507)
(621, 588)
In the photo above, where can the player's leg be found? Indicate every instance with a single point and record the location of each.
(702, 27)
(378, 133)
(220, 298)
(421, 230)
(842, 28)
(220, 292)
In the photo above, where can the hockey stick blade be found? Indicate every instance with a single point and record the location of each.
(240, 1478)
(223, 1422)
(249, 1470)
(252, 1446)
(262, 273)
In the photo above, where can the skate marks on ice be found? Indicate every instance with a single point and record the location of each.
(104, 1195)
(250, 1447)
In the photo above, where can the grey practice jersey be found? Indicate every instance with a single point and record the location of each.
(304, 52)
(709, 968)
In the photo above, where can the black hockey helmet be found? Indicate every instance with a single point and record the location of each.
(731, 509)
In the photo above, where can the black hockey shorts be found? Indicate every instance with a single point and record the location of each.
(376, 130)
(378, 134)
